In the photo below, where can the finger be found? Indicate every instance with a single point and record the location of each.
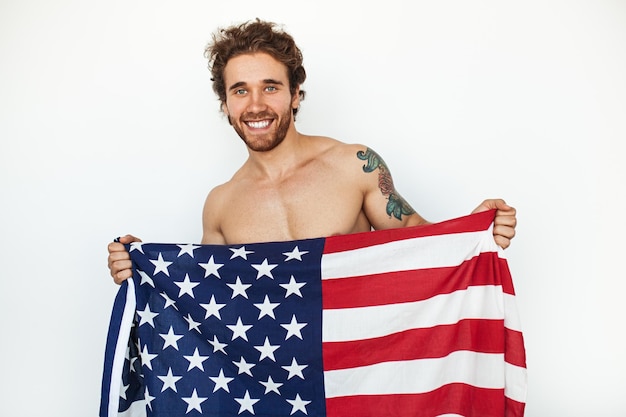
(502, 241)
(122, 276)
(506, 220)
(115, 247)
(122, 265)
(504, 231)
(118, 256)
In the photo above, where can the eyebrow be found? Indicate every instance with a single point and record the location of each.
(243, 83)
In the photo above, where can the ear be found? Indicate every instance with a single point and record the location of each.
(225, 109)
(295, 100)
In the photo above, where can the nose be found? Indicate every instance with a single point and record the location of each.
(257, 102)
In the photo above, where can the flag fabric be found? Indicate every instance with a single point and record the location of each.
(418, 321)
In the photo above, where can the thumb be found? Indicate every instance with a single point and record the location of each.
(490, 204)
(128, 239)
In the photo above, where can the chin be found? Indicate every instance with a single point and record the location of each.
(263, 146)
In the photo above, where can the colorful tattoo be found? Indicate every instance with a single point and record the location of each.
(396, 205)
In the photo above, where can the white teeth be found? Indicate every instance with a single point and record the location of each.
(258, 125)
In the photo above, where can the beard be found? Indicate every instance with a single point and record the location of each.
(268, 141)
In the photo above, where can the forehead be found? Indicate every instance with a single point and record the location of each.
(255, 67)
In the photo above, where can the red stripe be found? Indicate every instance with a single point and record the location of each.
(515, 353)
(513, 408)
(407, 286)
(434, 342)
(505, 276)
(462, 399)
(471, 223)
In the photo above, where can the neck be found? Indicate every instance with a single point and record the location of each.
(281, 160)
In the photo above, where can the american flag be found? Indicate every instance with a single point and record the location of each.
(414, 322)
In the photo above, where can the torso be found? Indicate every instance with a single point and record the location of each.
(320, 197)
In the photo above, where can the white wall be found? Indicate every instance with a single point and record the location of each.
(108, 125)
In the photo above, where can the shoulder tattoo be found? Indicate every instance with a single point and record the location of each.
(396, 205)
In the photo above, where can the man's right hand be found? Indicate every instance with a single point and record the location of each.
(120, 264)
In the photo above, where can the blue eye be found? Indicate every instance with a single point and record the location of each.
(270, 88)
(240, 91)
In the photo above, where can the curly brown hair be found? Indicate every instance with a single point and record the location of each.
(250, 37)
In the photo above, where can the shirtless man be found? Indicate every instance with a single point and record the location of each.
(292, 186)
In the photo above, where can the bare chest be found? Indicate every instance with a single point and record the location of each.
(303, 207)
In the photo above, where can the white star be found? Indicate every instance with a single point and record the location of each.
(148, 398)
(136, 246)
(267, 350)
(123, 390)
(246, 403)
(217, 345)
(239, 288)
(195, 360)
(293, 328)
(193, 402)
(213, 308)
(147, 316)
(145, 279)
(192, 323)
(170, 339)
(168, 301)
(295, 254)
(186, 286)
(169, 380)
(239, 330)
(270, 385)
(160, 265)
(241, 253)
(266, 308)
(298, 404)
(211, 268)
(264, 269)
(187, 249)
(244, 367)
(146, 357)
(221, 381)
(294, 369)
(293, 287)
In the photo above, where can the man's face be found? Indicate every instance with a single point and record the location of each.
(258, 102)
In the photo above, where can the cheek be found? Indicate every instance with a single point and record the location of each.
(232, 110)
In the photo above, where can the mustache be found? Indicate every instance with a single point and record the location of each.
(258, 116)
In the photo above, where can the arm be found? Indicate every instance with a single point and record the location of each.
(383, 205)
(120, 265)
(385, 208)
(211, 230)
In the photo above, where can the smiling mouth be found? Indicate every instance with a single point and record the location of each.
(259, 124)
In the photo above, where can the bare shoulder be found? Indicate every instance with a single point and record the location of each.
(212, 213)
(213, 197)
(335, 151)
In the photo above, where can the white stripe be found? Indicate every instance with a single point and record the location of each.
(516, 382)
(408, 254)
(481, 302)
(418, 376)
(120, 348)
(137, 409)
(511, 314)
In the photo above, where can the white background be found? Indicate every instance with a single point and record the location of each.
(108, 125)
